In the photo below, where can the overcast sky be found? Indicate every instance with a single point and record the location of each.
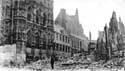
(93, 14)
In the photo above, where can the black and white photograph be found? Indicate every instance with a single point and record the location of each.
(62, 35)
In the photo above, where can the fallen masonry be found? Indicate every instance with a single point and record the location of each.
(116, 63)
(9, 58)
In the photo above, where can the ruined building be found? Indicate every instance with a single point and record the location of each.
(111, 41)
(71, 32)
(29, 25)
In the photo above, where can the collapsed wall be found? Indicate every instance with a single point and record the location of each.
(8, 54)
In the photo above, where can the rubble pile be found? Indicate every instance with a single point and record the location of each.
(75, 63)
(7, 54)
(9, 57)
(89, 63)
(38, 65)
(114, 63)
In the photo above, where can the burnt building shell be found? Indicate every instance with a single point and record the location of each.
(29, 25)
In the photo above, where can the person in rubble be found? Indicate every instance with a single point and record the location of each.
(52, 61)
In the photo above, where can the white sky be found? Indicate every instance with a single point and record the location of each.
(93, 14)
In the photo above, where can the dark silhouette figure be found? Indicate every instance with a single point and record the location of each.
(52, 61)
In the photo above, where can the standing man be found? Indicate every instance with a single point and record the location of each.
(52, 61)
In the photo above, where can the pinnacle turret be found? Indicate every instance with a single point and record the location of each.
(76, 11)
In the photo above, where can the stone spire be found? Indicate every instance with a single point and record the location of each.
(120, 19)
(113, 24)
(63, 18)
(114, 14)
(119, 23)
(77, 16)
(77, 11)
(90, 35)
(121, 27)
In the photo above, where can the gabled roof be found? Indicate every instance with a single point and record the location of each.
(70, 22)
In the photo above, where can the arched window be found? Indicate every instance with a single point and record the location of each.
(16, 4)
(37, 19)
(21, 4)
(29, 16)
(8, 11)
(44, 19)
